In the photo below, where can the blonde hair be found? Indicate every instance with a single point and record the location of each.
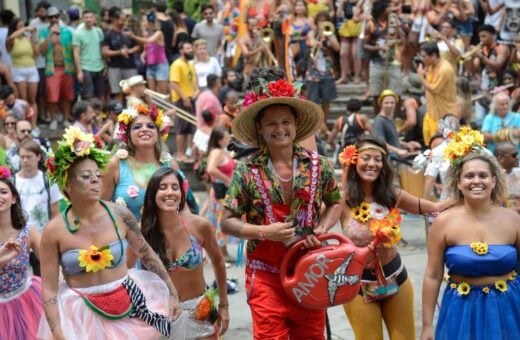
(197, 44)
(498, 193)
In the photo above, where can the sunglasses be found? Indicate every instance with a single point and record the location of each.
(26, 131)
(10, 123)
(54, 16)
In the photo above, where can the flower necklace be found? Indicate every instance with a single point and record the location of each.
(282, 179)
(381, 219)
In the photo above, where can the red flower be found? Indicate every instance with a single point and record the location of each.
(303, 195)
(51, 167)
(281, 88)
(98, 142)
(153, 112)
(348, 156)
(249, 99)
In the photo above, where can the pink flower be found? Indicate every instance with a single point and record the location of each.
(133, 191)
(185, 186)
(249, 99)
(4, 172)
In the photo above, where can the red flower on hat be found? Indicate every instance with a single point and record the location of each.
(98, 142)
(281, 88)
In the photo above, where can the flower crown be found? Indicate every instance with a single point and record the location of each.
(349, 155)
(5, 173)
(279, 88)
(462, 143)
(75, 145)
(126, 118)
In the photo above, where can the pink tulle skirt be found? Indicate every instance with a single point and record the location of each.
(21, 313)
(79, 322)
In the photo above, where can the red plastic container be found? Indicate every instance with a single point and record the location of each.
(325, 276)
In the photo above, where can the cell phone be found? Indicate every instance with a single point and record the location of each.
(406, 9)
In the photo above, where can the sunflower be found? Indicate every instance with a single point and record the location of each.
(464, 288)
(453, 285)
(479, 248)
(364, 216)
(501, 285)
(95, 259)
(485, 290)
(365, 207)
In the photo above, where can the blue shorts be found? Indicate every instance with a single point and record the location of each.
(158, 72)
(465, 28)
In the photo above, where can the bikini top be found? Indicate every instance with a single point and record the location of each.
(70, 259)
(500, 259)
(190, 259)
(70, 264)
(15, 272)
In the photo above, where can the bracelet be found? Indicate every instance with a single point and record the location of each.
(223, 305)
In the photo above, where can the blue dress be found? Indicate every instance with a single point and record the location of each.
(480, 312)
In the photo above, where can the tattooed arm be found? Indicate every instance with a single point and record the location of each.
(49, 257)
(148, 257)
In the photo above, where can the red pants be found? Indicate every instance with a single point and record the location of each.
(275, 317)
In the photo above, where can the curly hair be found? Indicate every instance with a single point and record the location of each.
(384, 192)
(18, 218)
(498, 193)
(150, 227)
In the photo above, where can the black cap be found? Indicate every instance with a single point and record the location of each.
(114, 106)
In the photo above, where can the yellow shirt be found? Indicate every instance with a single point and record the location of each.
(183, 73)
(22, 53)
(442, 99)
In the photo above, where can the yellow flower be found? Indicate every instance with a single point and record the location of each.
(512, 276)
(479, 248)
(501, 285)
(464, 288)
(468, 139)
(159, 121)
(453, 285)
(94, 259)
(364, 216)
(365, 207)
(73, 135)
(485, 290)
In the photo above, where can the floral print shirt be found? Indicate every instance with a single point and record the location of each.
(243, 197)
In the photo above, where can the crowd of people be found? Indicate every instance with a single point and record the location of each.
(243, 96)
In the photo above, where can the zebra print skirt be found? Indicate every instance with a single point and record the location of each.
(148, 319)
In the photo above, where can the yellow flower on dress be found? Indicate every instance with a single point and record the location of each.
(501, 285)
(95, 259)
(453, 285)
(512, 276)
(479, 248)
(464, 288)
(485, 290)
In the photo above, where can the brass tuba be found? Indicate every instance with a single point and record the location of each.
(326, 29)
(469, 54)
(266, 36)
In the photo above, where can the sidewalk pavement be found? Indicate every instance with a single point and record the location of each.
(413, 255)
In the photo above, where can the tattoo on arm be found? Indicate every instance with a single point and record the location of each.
(51, 301)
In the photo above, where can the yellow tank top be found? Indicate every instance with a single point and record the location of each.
(22, 53)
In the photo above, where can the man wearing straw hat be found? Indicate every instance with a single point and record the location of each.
(279, 190)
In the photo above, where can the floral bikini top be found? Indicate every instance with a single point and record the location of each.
(190, 259)
(370, 218)
(15, 272)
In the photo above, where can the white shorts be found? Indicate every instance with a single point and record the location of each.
(25, 74)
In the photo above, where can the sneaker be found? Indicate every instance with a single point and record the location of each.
(189, 152)
(53, 125)
(66, 123)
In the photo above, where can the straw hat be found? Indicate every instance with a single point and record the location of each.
(386, 93)
(309, 115)
(131, 82)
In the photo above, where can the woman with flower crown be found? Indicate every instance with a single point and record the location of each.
(20, 293)
(143, 129)
(100, 298)
(478, 241)
(372, 206)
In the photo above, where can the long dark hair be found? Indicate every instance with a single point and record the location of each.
(384, 192)
(150, 227)
(11, 28)
(18, 219)
(217, 133)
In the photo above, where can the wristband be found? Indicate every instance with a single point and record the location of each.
(223, 305)
(261, 235)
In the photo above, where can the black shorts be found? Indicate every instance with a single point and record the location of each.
(181, 126)
(323, 90)
(93, 85)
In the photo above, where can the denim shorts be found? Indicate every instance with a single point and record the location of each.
(465, 28)
(158, 72)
